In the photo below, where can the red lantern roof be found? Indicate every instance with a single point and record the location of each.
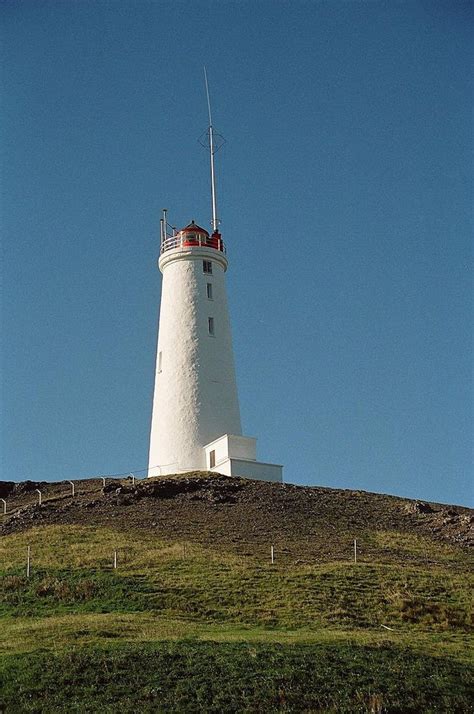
(194, 228)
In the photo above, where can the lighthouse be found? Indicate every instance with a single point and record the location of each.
(195, 422)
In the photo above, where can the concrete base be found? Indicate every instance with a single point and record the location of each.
(250, 469)
(233, 455)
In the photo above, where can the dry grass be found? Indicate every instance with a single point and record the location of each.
(56, 632)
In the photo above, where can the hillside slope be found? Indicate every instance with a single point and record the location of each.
(163, 596)
(242, 515)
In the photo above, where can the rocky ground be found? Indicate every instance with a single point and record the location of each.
(243, 516)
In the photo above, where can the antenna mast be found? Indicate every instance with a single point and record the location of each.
(212, 151)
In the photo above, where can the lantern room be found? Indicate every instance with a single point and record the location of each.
(191, 236)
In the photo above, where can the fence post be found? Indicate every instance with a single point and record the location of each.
(28, 554)
(115, 559)
(103, 480)
(133, 479)
(4, 505)
(72, 484)
(39, 495)
(272, 554)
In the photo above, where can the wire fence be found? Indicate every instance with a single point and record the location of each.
(78, 555)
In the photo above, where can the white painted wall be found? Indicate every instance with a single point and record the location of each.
(232, 446)
(250, 469)
(195, 399)
(242, 447)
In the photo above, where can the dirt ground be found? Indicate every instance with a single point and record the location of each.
(307, 524)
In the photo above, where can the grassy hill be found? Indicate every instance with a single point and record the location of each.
(195, 617)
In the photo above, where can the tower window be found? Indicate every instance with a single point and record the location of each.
(160, 361)
(209, 291)
(212, 459)
(207, 267)
(210, 325)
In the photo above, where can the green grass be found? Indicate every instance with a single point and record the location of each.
(191, 622)
(52, 592)
(22, 635)
(190, 676)
(87, 546)
(209, 587)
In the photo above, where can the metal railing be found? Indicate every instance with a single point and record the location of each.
(184, 240)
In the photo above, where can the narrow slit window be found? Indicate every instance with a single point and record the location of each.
(210, 325)
(207, 267)
(212, 459)
(209, 291)
(160, 361)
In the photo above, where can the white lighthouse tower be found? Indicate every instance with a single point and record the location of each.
(196, 419)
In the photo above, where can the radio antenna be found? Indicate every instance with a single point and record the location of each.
(208, 98)
(213, 148)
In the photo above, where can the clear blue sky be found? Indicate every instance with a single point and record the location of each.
(345, 198)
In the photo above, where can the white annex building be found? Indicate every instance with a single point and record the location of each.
(196, 419)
